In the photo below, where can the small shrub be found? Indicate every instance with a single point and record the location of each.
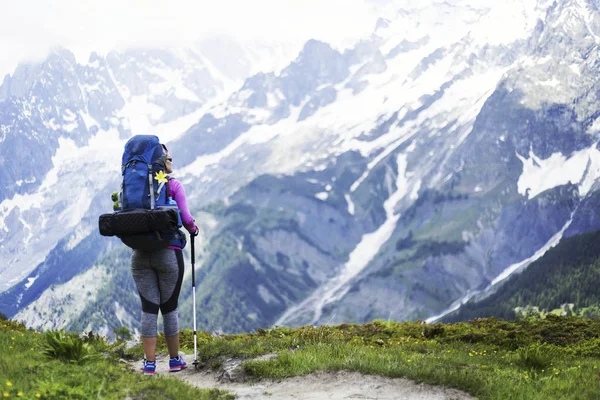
(91, 337)
(536, 357)
(65, 347)
(3, 317)
(432, 331)
(122, 333)
(10, 325)
(97, 342)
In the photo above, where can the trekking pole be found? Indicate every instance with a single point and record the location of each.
(194, 300)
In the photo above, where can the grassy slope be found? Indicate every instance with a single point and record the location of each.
(492, 359)
(551, 358)
(26, 373)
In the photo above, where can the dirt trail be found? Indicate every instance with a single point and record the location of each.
(317, 386)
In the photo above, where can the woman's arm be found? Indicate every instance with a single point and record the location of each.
(178, 194)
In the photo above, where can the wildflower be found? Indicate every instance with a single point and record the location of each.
(38, 395)
(19, 394)
(161, 177)
(5, 394)
(8, 383)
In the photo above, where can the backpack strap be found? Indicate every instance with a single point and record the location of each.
(167, 187)
(151, 187)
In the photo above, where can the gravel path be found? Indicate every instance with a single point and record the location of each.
(317, 386)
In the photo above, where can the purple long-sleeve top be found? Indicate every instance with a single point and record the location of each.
(178, 194)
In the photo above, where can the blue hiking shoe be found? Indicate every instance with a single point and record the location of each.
(176, 364)
(149, 368)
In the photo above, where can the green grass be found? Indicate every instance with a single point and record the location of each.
(58, 365)
(551, 358)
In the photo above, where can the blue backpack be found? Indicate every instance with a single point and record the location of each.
(146, 217)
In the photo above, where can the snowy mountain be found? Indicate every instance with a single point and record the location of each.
(393, 179)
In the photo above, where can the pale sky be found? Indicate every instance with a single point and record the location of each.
(29, 28)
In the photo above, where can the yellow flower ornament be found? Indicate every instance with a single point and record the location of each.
(161, 177)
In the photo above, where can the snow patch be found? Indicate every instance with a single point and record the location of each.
(388, 150)
(52, 124)
(70, 127)
(28, 228)
(350, 204)
(30, 281)
(554, 82)
(582, 168)
(273, 99)
(595, 127)
(322, 196)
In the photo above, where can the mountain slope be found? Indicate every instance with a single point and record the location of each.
(568, 273)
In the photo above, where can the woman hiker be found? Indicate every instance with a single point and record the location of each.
(158, 276)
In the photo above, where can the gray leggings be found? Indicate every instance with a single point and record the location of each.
(158, 277)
